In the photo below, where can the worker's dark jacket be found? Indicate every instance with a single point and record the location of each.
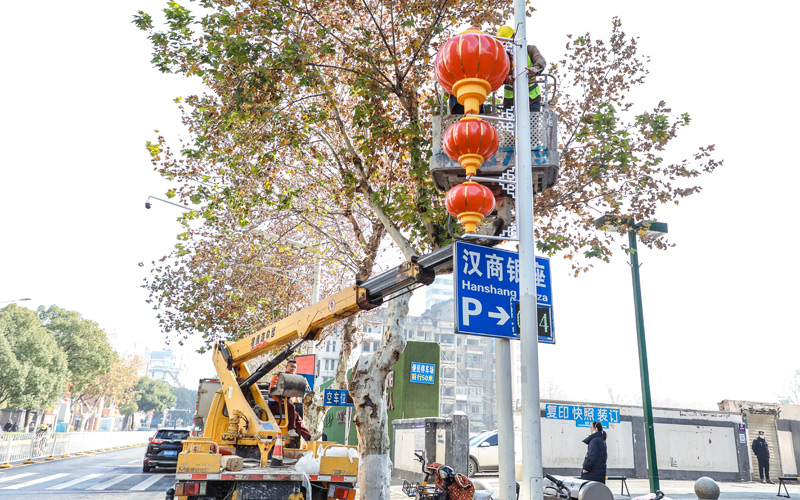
(596, 457)
(761, 449)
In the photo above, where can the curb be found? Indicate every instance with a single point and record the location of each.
(30, 461)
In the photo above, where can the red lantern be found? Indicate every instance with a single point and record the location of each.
(470, 202)
(470, 66)
(471, 142)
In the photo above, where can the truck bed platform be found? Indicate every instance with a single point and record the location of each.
(272, 474)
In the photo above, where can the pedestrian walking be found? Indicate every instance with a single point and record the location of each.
(761, 449)
(594, 465)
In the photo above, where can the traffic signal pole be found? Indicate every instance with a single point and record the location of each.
(531, 413)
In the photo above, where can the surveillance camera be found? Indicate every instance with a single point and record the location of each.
(147, 204)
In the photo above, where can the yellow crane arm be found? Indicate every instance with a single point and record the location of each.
(239, 387)
(304, 324)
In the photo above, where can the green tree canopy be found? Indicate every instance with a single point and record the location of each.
(154, 395)
(33, 369)
(130, 406)
(185, 399)
(85, 344)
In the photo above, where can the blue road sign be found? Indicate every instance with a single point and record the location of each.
(423, 373)
(582, 415)
(486, 282)
(336, 397)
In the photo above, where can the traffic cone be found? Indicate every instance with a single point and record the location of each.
(277, 452)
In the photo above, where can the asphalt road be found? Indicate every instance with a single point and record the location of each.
(113, 475)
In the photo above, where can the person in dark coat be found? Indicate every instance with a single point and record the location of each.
(761, 449)
(594, 465)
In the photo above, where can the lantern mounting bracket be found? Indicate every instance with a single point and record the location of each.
(490, 117)
(491, 179)
(508, 40)
(487, 237)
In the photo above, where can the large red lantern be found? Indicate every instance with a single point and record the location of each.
(470, 202)
(471, 141)
(470, 66)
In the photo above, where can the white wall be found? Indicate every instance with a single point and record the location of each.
(693, 447)
(788, 462)
(563, 447)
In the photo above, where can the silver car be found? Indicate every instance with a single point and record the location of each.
(483, 453)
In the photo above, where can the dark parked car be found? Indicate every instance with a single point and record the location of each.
(164, 448)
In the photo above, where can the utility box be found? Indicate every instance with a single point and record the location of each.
(444, 440)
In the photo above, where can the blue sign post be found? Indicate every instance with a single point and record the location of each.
(486, 282)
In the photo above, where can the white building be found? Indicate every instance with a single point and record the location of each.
(441, 290)
(165, 365)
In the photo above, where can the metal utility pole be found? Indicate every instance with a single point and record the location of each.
(647, 406)
(505, 421)
(531, 413)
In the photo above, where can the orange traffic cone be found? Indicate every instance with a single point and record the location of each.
(277, 452)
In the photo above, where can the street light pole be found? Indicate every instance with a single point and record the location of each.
(529, 347)
(647, 407)
(655, 230)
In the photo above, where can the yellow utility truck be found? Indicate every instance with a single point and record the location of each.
(237, 458)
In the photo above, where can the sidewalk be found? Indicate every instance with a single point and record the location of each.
(678, 490)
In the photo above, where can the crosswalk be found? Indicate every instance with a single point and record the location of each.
(85, 482)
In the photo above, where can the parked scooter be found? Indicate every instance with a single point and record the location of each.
(570, 488)
(447, 484)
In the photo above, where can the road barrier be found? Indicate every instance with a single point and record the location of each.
(26, 447)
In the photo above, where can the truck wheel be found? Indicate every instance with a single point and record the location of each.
(145, 468)
(473, 467)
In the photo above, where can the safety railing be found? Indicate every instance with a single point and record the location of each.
(27, 447)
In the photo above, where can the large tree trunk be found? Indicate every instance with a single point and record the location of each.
(368, 388)
(314, 413)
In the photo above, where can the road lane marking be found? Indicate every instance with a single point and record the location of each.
(73, 482)
(112, 482)
(36, 481)
(134, 461)
(16, 476)
(150, 481)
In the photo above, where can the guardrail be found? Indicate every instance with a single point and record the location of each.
(27, 446)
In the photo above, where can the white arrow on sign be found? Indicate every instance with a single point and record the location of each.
(501, 315)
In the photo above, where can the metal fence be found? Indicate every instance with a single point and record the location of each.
(25, 446)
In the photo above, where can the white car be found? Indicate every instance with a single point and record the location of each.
(483, 453)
